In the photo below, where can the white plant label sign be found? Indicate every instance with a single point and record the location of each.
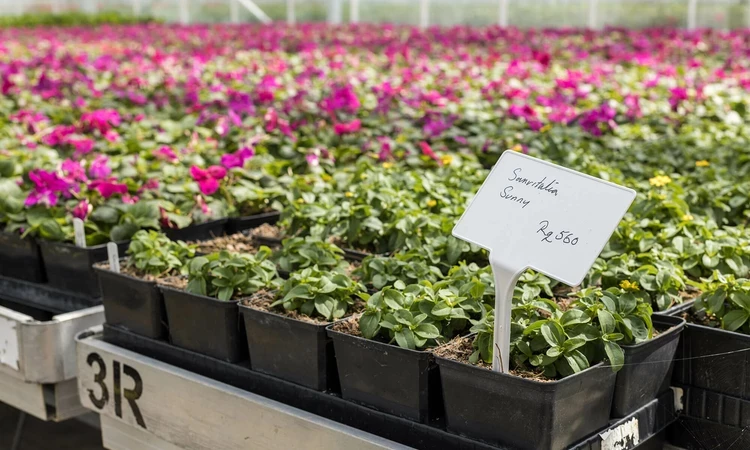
(532, 214)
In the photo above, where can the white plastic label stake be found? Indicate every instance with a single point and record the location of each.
(114, 257)
(80, 233)
(624, 437)
(532, 214)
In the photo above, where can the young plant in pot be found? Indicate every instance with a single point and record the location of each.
(286, 328)
(202, 310)
(556, 375)
(381, 356)
(255, 195)
(300, 253)
(132, 300)
(648, 342)
(70, 267)
(711, 354)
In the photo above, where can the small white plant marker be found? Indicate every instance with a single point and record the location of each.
(532, 214)
(79, 232)
(114, 257)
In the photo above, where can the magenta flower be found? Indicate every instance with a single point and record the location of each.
(58, 135)
(82, 209)
(74, 171)
(165, 153)
(101, 120)
(238, 158)
(677, 96)
(312, 160)
(108, 188)
(208, 179)
(82, 146)
(99, 168)
(346, 128)
(48, 186)
(427, 150)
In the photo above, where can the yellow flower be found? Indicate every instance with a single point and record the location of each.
(702, 163)
(629, 285)
(349, 194)
(545, 128)
(326, 177)
(431, 203)
(517, 148)
(387, 165)
(660, 180)
(687, 217)
(300, 200)
(400, 139)
(446, 160)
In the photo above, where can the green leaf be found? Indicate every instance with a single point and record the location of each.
(606, 321)
(369, 324)
(405, 339)
(628, 302)
(105, 214)
(715, 300)
(741, 299)
(324, 304)
(574, 317)
(427, 331)
(733, 320)
(123, 232)
(615, 355)
(553, 334)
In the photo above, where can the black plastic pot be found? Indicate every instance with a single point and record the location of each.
(290, 349)
(648, 367)
(134, 304)
(238, 224)
(388, 378)
(520, 413)
(199, 232)
(70, 268)
(21, 258)
(205, 325)
(714, 359)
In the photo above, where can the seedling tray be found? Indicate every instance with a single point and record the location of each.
(650, 419)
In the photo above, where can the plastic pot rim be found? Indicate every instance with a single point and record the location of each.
(47, 242)
(541, 385)
(99, 268)
(228, 303)
(418, 353)
(670, 332)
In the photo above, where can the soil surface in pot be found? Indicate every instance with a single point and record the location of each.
(263, 299)
(235, 243)
(268, 231)
(131, 271)
(460, 349)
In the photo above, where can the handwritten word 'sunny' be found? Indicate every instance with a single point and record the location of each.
(542, 185)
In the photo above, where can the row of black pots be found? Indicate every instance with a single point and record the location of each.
(65, 266)
(468, 400)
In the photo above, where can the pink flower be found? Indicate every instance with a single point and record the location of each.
(101, 120)
(238, 158)
(151, 184)
(108, 188)
(111, 136)
(82, 209)
(427, 150)
(99, 168)
(165, 153)
(82, 146)
(385, 149)
(346, 128)
(208, 179)
(74, 171)
(48, 186)
(678, 95)
(129, 199)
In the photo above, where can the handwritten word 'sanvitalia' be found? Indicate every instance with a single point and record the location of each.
(542, 185)
(563, 236)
